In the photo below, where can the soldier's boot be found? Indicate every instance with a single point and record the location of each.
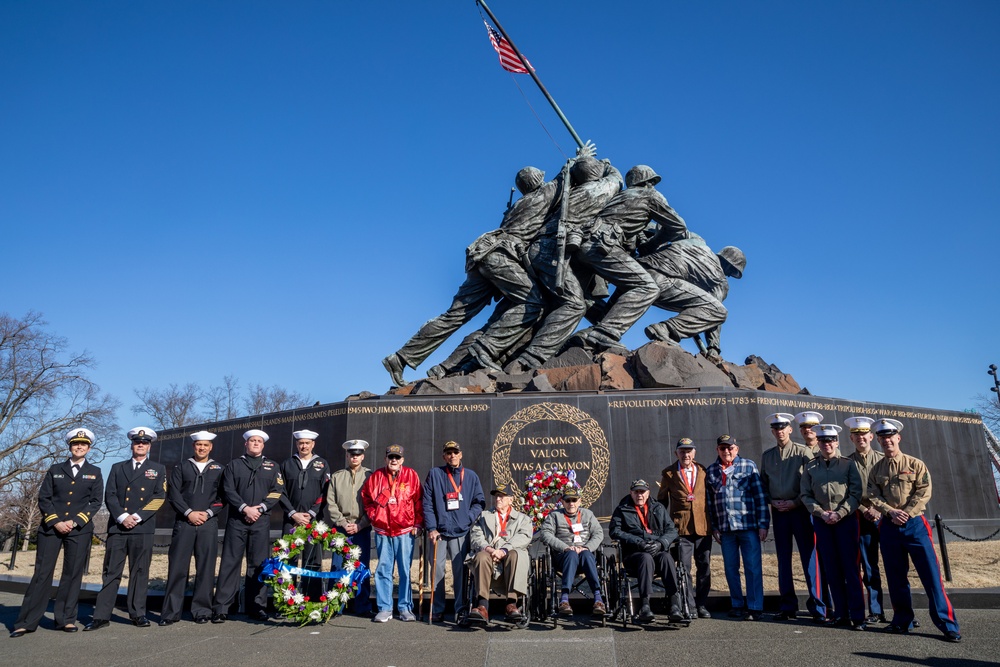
(437, 372)
(524, 364)
(394, 365)
(483, 358)
(599, 341)
(661, 332)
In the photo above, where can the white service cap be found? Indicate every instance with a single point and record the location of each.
(202, 435)
(782, 418)
(256, 431)
(305, 434)
(808, 418)
(142, 433)
(887, 426)
(826, 430)
(859, 424)
(79, 434)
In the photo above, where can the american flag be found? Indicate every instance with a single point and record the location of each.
(508, 59)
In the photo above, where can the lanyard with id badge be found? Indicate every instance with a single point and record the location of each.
(577, 529)
(453, 499)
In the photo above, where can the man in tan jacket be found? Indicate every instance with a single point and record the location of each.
(343, 504)
(682, 490)
(499, 540)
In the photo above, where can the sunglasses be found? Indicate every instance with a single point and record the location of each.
(394, 457)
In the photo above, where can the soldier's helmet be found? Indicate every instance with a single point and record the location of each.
(529, 179)
(641, 174)
(735, 258)
(585, 170)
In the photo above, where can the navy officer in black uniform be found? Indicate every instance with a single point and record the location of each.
(69, 497)
(306, 478)
(136, 489)
(194, 493)
(251, 486)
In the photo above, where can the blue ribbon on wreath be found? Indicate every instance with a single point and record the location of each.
(272, 566)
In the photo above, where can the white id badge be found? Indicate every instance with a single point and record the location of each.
(577, 527)
(452, 504)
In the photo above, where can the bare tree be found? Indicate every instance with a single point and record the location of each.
(20, 504)
(44, 391)
(171, 407)
(222, 400)
(989, 409)
(263, 399)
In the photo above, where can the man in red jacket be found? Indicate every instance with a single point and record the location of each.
(392, 500)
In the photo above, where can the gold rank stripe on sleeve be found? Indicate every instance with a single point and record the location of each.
(154, 505)
(51, 517)
(273, 495)
(84, 516)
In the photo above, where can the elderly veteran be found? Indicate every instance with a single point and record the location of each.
(194, 493)
(899, 486)
(739, 523)
(392, 501)
(574, 535)
(781, 473)
(683, 491)
(646, 533)
(453, 500)
(499, 541)
(306, 477)
(136, 489)
(831, 493)
(251, 486)
(806, 420)
(68, 499)
(346, 512)
(868, 517)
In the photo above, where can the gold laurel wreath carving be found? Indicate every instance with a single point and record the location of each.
(600, 454)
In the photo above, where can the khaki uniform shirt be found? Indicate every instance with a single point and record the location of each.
(865, 463)
(901, 483)
(781, 471)
(831, 486)
(343, 497)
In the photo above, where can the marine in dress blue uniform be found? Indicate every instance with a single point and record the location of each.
(68, 498)
(136, 490)
(251, 486)
(194, 494)
(899, 486)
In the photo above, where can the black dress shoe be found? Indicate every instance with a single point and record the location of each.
(703, 612)
(259, 616)
(819, 620)
(69, 627)
(894, 629)
(20, 632)
(737, 613)
(201, 619)
(437, 618)
(952, 636)
(785, 616)
(858, 626)
(140, 622)
(96, 625)
(219, 618)
(752, 616)
(164, 622)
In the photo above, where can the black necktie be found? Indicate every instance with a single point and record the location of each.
(76, 469)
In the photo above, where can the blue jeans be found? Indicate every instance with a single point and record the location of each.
(393, 551)
(568, 562)
(747, 544)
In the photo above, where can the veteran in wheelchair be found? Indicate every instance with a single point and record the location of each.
(498, 560)
(573, 536)
(646, 534)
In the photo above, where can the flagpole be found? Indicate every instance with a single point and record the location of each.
(531, 71)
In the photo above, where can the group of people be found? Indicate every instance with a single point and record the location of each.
(841, 512)
(550, 263)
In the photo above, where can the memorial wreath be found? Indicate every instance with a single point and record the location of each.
(339, 586)
(542, 489)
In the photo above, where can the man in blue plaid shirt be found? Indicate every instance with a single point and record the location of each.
(740, 520)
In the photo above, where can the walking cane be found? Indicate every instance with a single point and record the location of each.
(421, 574)
(430, 615)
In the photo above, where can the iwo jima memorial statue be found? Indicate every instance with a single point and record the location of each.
(529, 391)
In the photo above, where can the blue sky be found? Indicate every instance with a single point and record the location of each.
(284, 191)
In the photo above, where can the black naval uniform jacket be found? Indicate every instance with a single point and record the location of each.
(243, 485)
(193, 491)
(63, 497)
(305, 488)
(142, 491)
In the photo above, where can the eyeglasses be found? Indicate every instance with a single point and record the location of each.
(571, 500)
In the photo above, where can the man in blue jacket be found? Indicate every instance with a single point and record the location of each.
(453, 499)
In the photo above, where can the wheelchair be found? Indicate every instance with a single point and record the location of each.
(526, 603)
(548, 581)
(622, 606)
